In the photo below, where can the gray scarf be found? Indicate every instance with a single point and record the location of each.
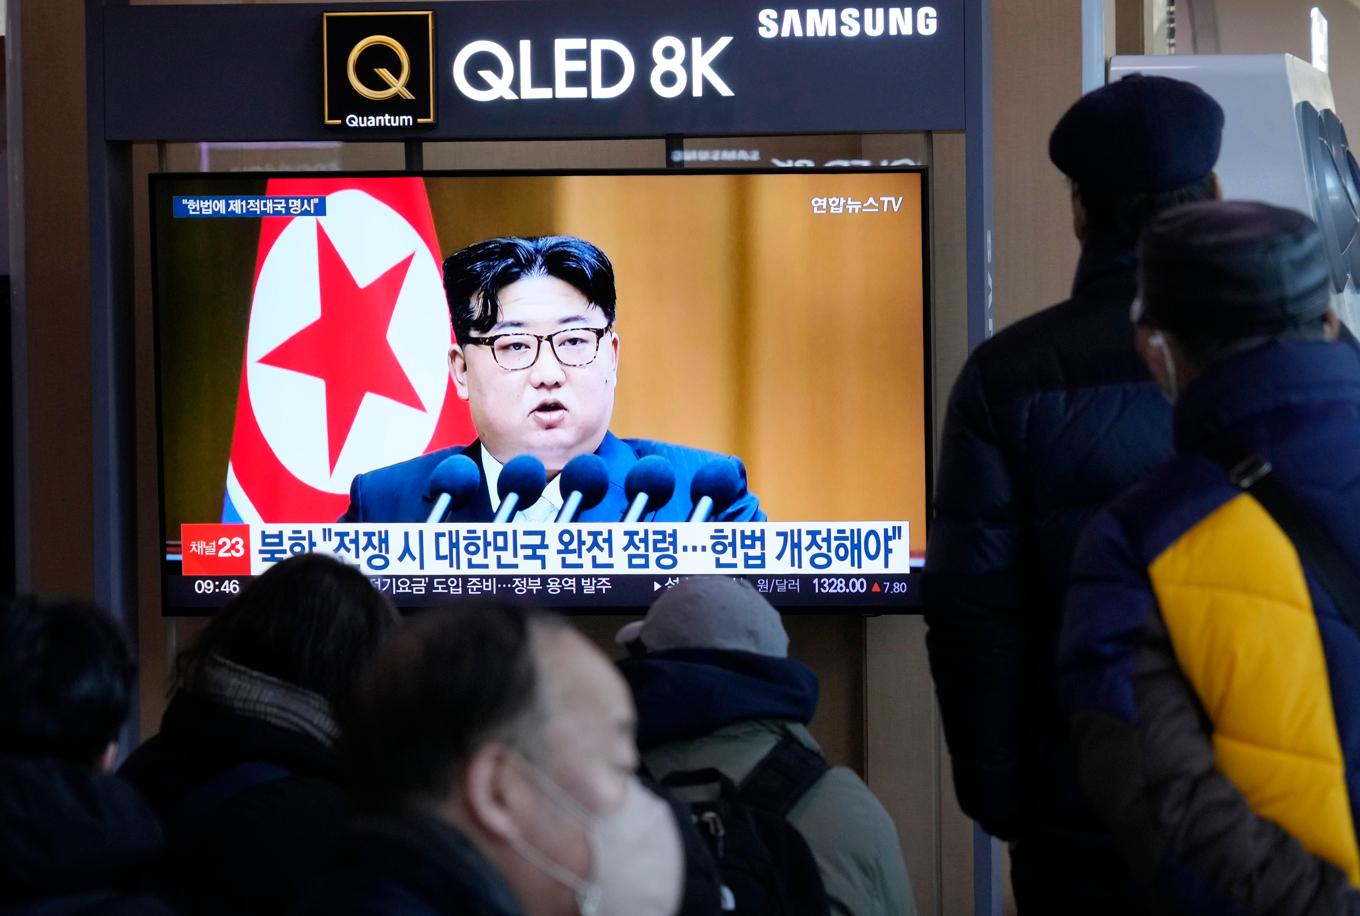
(250, 693)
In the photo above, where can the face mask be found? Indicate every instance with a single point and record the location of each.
(637, 863)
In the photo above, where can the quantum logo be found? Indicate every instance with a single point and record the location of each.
(378, 69)
(396, 84)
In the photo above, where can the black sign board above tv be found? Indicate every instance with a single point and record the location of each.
(507, 70)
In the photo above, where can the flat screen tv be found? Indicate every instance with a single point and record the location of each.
(766, 359)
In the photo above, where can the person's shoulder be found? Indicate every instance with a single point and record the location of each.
(1153, 513)
(417, 468)
(838, 786)
(733, 750)
(396, 493)
(855, 843)
(684, 455)
(1081, 342)
(684, 459)
(838, 797)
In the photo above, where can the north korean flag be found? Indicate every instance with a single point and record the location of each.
(346, 362)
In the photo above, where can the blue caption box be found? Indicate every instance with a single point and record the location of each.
(239, 206)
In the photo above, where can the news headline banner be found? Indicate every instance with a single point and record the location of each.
(683, 549)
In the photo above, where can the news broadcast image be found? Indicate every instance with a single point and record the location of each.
(773, 319)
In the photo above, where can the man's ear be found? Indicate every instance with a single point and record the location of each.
(105, 761)
(494, 793)
(458, 369)
(1331, 325)
(1079, 225)
(614, 349)
(1149, 342)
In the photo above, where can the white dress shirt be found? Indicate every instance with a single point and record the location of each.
(545, 510)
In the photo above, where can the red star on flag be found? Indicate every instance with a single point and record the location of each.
(347, 346)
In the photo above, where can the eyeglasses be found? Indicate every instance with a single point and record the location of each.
(572, 346)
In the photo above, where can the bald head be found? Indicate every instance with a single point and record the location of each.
(589, 726)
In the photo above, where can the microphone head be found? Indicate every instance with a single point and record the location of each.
(721, 480)
(587, 475)
(651, 475)
(524, 476)
(459, 476)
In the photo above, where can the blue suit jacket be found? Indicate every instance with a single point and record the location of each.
(397, 493)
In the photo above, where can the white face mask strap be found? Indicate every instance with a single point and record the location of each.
(556, 793)
(587, 892)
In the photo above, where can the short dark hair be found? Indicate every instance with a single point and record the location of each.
(311, 621)
(66, 680)
(1124, 214)
(474, 275)
(449, 681)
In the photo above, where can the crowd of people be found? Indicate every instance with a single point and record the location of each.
(319, 755)
(1143, 606)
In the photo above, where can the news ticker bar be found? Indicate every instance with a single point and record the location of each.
(882, 593)
(578, 549)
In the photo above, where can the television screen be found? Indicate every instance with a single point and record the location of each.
(630, 378)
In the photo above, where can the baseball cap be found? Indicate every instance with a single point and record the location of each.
(710, 612)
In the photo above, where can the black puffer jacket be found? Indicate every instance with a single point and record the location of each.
(250, 808)
(1048, 421)
(73, 841)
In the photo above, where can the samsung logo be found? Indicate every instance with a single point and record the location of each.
(847, 23)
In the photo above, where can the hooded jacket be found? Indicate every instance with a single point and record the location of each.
(1215, 688)
(73, 841)
(702, 708)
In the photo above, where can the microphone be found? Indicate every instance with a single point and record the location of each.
(585, 480)
(715, 486)
(456, 480)
(522, 482)
(649, 486)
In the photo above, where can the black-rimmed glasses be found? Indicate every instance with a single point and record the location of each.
(519, 350)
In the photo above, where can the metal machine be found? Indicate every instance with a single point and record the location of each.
(1282, 144)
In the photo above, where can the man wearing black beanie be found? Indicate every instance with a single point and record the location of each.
(1210, 647)
(1049, 420)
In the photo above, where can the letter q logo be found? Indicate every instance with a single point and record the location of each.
(377, 68)
(396, 85)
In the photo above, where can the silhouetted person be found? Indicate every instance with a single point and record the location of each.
(244, 772)
(1210, 647)
(715, 689)
(73, 839)
(1049, 420)
(494, 746)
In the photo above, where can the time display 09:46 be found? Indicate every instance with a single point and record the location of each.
(208, 585)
